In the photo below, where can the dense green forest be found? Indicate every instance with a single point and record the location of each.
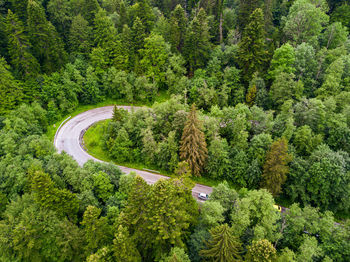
(259, 101)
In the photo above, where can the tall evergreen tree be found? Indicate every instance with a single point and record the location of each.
(193, 148)
(80, 36)
(47, 45)
(252, 52)
(275, 167)
(22, 60)
(224, 246)
(10, 92)
(197, 41)
(178, 23)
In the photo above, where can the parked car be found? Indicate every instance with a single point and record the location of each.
(203, 196)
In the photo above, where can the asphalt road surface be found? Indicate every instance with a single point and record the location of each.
(68, 139)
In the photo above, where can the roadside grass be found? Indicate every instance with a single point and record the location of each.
(93, 142)
(52, 128)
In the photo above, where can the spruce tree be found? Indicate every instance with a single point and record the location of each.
(10, 92)
(197, 41)
(22, 60)
(80, 36)
(48, 47)
(193, 146)
(178, 23)
(224, 246)
(276, 166)
(252, 53)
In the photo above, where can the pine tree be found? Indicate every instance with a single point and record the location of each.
(224, 246)
(193, 146)
(252, 52)
(47, 45)
(22, 60)
(276, 166)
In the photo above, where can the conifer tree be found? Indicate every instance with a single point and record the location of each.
(276, 166)
(22, 60)
(193, 146)
(47, 45)
(10, 92)
(252, 52)
(178, 22)
(80, 36)
(224, 246)
(124, 247)
(197, 41)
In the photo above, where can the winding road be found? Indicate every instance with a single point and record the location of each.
(68, 138)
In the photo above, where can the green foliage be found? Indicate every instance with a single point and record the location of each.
(252, 52)
(124, 247)
(10, 91)
(224, 245)
(49, 197)
(275, 167)
(261, 250)
(193, 148)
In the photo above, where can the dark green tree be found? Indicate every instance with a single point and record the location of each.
(80, 36)
(224, 245)
(252, 52)
(178, 23)
(10, 92)
(23, 62)
(48, 47)
(193, 148)
(197, 44)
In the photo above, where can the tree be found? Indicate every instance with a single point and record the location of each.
(253, 217)
(124, 247)
(252, 53)
(155, 56)
(30, 233)
(193, 148)
(261, 251)
(304, 22)
(102, 186)
(218, 158)
(62, 201)
(10, 91)
(332, 81)
(284, 87)
(212, 214)
(48, 47)
(22, 60)
(282, 61)
(177, 255)
(80, 36)
(224, 245)
(178, 23)
(197, 44)
(275, 167)
(305, 140)
(96, 230)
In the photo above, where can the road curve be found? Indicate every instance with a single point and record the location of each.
(68, 139)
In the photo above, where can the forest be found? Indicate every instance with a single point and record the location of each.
(253, 95)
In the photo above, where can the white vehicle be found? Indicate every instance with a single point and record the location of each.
(203, 196)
